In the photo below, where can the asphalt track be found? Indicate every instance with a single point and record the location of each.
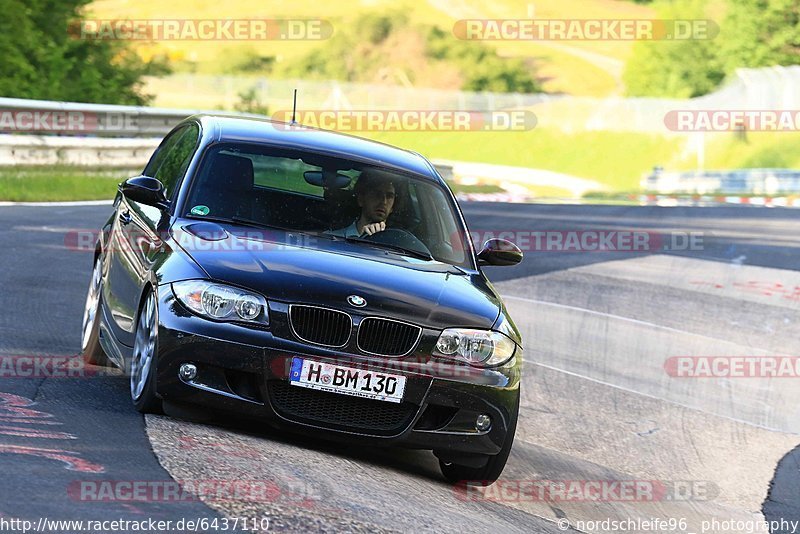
(598, 401)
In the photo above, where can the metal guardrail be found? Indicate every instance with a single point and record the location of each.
(740, 181)
(21, 116)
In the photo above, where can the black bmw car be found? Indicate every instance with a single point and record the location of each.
(314, 281)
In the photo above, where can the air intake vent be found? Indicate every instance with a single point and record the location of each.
(320, 325)
(340, 412)
(386, 337)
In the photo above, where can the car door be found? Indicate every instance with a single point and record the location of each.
(136, 236)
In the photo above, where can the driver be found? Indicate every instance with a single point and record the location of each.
(375, 193)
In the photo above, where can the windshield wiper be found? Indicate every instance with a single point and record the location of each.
(237, 220)
(251, 222)
(396, 248)
(283, 228)
(258, 224)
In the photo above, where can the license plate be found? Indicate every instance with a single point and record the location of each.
(347, 380)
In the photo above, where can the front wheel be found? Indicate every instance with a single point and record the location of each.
(491, 470)
(143, 362)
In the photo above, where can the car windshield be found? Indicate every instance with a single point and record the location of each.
(308, 192)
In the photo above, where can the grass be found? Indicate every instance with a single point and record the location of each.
(756, 150)
(474, 188)
(617, 160)
(51, 184)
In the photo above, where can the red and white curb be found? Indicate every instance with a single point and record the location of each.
(493, 197)
(684, 200)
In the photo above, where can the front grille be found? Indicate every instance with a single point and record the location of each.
(386, 337)
(341, 412)
(320, 325)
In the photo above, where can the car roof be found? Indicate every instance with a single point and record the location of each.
(224, 128)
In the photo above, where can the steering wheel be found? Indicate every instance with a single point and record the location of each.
(399, 237)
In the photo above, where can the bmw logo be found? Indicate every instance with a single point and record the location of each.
(355, 300)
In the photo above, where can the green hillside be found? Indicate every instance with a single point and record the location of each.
(591, 68)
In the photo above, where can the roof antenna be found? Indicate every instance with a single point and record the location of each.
(294, 108)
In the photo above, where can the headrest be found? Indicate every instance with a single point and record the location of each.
(232, 173)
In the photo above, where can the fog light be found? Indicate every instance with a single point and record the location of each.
(483, 422)
(187, 372)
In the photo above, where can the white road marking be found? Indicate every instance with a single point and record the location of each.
(610, 316)
(654, 397)
(57, 204)
(49, 229)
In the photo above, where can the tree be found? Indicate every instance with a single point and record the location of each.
(679, 68)
(483, 69)
(41, 60)
(753, 33)
(761, 33)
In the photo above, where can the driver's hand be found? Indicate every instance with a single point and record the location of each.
(374, 228)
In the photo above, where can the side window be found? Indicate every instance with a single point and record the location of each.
(173, 156)
(158, 157)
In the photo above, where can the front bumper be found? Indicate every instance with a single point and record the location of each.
(245, 371)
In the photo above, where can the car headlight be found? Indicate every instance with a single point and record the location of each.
(221, 302)
(485, 348)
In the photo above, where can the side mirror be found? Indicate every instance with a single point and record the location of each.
(145, 190)
(499, 252)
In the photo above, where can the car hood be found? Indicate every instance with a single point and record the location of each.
(326, 272)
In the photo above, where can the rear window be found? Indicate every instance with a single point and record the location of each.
(281, 173)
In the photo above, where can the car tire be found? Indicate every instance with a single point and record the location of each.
(91, 351)
(143, 363)
(489, 472)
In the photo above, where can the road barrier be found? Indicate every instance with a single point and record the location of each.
(88, 152)
(769, 182)
(24, 116)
